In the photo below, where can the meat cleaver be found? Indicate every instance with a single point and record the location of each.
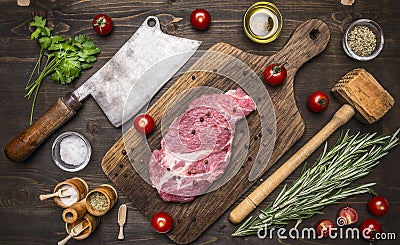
(110, 86)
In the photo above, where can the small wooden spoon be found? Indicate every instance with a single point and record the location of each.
(78, 229)
(59, 193)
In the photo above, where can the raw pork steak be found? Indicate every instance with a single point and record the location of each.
(197, 147)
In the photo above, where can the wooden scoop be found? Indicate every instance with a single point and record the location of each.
(62, 192)
(363, 94)
(78, 229)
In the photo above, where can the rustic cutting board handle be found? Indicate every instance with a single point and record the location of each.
(307, 41)
(18, 149)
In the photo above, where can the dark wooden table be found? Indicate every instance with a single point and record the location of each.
(26, 220)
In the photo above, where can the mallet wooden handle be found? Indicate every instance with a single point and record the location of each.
(18, 149)
(342, 116)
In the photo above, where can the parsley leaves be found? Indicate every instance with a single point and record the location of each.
(65, 58)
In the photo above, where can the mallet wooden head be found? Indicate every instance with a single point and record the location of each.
(363, 92)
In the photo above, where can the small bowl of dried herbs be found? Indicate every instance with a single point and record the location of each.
(363, 40)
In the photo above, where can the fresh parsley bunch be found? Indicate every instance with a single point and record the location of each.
(65, 58)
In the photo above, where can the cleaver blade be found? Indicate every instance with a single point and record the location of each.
(131, 69)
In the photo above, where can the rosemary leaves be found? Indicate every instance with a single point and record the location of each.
(325, 182)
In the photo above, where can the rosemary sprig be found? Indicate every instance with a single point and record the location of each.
(325, 182)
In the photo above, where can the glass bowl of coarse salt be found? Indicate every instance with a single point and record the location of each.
(363, 40)
(71, 151)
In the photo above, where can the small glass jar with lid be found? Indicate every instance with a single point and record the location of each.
(262, 22)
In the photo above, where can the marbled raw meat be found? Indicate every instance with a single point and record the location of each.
(197, 147)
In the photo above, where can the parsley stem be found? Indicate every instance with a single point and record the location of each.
(34, 87)
(33, 105)
(34, 69)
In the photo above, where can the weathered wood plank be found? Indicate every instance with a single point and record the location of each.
(25, 220)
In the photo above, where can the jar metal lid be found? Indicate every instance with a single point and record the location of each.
(262, 22)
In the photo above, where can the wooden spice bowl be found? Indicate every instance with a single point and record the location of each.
(100, 200)
(78, 185)
(74, 212)
(88, 220)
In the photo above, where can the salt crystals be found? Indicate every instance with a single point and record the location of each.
(73, 150)
(72, 196)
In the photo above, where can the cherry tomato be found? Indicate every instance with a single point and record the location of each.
(144, 123)
(318, 101)
(369, 227)
(324, 227)
(378, 205)
(275, 74)
(161, 222)
(347, 216)
(102, 24)
(200, 19)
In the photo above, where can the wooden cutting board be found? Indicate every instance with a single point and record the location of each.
(192, 219)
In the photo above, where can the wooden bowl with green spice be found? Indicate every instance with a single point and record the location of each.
(363, 40)
(100, 200)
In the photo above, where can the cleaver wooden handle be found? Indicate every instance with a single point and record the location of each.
(18, 149)
(342, 116)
